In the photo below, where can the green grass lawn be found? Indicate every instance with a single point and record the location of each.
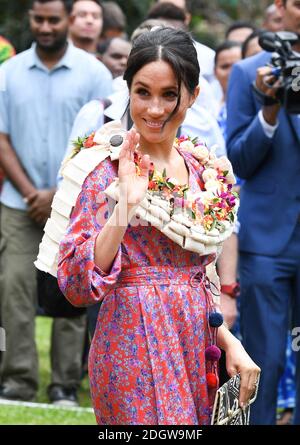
(13, 415)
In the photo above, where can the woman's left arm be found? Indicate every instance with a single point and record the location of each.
(238, 361)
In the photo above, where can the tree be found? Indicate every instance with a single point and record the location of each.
(14, 22)
(135, 11)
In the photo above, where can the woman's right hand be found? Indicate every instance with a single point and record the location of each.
(133, 187)
(238, 361)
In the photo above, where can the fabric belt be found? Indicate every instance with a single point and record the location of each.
(162, 275)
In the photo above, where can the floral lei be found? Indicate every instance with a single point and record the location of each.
(216, 204)
(214, 208)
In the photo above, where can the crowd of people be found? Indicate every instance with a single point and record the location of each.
(68, 85)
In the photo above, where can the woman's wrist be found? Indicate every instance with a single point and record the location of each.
(225, 339)
(123, 212)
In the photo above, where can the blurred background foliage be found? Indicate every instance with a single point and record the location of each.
(210, 18)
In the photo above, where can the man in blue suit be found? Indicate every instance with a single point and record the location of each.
(264, 147)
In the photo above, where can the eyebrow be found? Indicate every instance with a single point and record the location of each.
(171, 87)
(38, 16)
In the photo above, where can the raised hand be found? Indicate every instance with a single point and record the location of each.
(133, 187)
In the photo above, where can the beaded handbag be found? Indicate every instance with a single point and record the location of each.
(226, 410)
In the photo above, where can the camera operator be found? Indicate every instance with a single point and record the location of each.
(264, 147)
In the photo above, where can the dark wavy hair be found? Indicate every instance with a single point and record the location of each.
(172, 46)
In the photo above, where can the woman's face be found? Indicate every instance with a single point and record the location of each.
(153, 97)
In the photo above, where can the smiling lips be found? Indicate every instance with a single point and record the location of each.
(154, 125)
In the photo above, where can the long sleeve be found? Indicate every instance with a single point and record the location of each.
(79, 278)
(247, 143)
(89, 118)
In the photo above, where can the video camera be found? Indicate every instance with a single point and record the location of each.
(286, 67)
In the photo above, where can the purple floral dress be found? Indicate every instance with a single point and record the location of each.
(147, 359)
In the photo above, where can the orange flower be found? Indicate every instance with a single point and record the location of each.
(89, 142)
(152, 185)
(221, 215)
(207, 222)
